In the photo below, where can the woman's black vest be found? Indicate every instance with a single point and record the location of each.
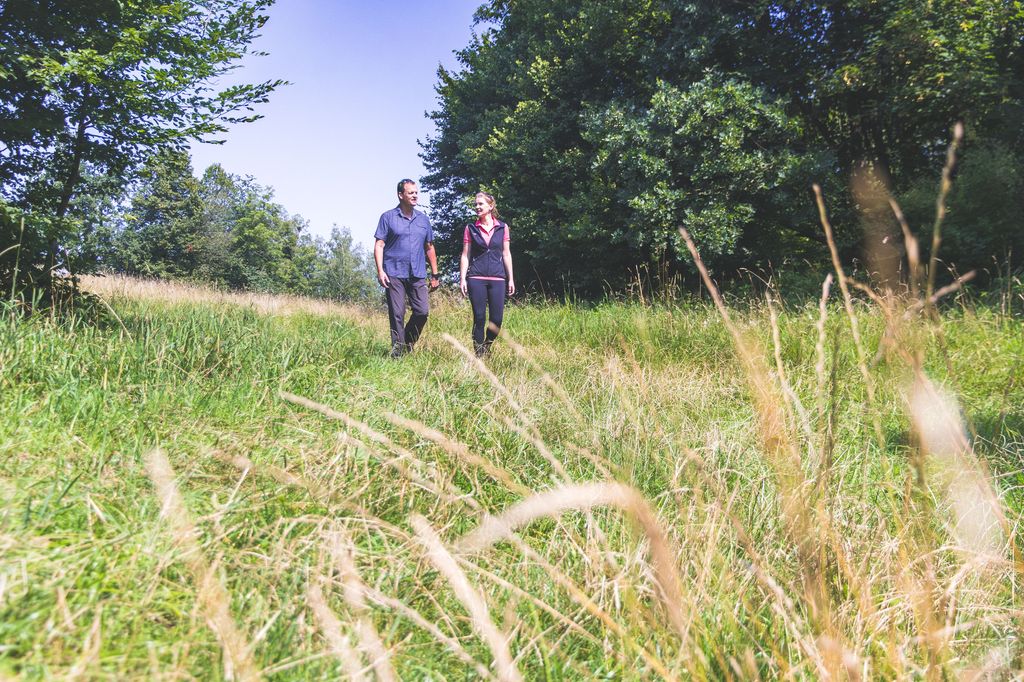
(485, 258)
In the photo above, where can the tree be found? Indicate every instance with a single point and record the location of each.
(716, 157)
(163, 232)
(222, 196)
(228, 230)
(345, 270)
(601, 125)
(104, 83)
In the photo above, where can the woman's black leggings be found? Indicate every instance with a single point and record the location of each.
(486, 295)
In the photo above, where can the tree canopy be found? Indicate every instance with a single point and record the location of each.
(94, 88)
(226, 230)
(604, 125)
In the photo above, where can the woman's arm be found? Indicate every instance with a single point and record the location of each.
(506, 257)
(463, 266)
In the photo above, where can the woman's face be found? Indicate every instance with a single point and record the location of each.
(483, 207)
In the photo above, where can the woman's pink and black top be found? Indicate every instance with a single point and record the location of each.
(485, 250)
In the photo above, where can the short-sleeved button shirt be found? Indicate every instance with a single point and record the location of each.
(404, 242)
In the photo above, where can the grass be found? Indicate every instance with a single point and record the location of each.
(170, 510)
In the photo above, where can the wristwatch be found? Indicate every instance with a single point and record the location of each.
(435, 275)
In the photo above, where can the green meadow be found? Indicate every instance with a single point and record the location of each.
(207, 486)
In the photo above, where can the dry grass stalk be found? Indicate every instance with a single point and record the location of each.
(581, 597)
(820, 361)
(482, 369)
(340, 547)
(530, 432)
(601, 463)
(243, 463)
(183, 292)
(331, 628)
(570, 624)
(978, 527)
(979, 522)
(940, 205)
(470, 597)
(459, 450)
(792, 398)
(583, 497)
(772, 420)
(779, 600)
(802, 519)
(398, 463)
(534, 439)
(912, 246)
(955, 285)
(416, 617)
(90, 648)
(858, 343)
(782, 453)
(445, 491)
(214, 600)
(545, 377)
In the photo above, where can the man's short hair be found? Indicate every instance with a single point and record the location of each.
(403, 182)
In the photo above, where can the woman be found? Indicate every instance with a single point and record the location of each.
(486, 271)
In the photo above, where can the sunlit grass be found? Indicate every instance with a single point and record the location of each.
(648, 406)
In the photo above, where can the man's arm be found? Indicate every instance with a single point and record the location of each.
(378, 258)
(432, 260)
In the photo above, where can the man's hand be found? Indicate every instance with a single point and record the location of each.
(435, 281)
(382, 277)
(464, 287)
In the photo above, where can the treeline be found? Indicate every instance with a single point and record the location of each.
(603, 125)
(90, 91)
(98, 102)
(221, 229)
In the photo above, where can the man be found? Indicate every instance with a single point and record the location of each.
(403, 237)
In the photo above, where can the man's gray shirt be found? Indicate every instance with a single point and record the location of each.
(405, 241)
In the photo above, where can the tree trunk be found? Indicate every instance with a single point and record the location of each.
(68, 191)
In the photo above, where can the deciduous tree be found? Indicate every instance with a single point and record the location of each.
(601, 125)
(104, 83)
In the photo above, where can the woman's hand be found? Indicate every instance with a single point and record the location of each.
(511, 287)
(462, 285)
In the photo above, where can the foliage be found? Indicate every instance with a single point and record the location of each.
(343, 270)
(98, 86)
(163, 225)
(602, 125)
(715, 157)
(984, 227)
(227, 230)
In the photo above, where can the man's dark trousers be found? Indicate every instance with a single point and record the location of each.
(400, 290)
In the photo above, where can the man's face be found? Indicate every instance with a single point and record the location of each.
(409, 195)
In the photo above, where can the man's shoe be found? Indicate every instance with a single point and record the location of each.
(398, 350)
(480, 350)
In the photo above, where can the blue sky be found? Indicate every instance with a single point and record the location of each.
(334, 142)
